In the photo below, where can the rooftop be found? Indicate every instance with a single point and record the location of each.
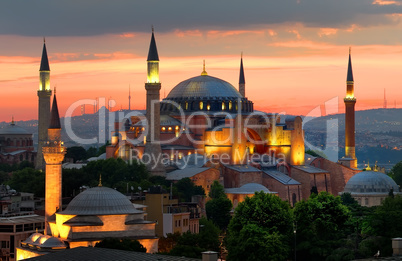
(104, 254)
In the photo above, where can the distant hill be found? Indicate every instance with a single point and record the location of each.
(376, 120)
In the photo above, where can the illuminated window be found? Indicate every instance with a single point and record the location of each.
(223, 106)
(189, 153)
(201, 105)
(177, 128)
(208, 106)
(163, 128)
(180, 155)
(186, 105)
(230, 105)
(170, 128)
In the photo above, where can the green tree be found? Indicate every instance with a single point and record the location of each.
(76, 153)
(28, 180)
(320, 226)
(186, 189)
(219, 206)
(192, 245)
(396, 173)
(122, 244)
(384, 224)
(261, 229)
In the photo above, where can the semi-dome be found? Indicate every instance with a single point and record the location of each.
(370, 182)
(204, 86)
(100, 201)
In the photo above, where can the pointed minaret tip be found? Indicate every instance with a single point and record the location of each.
(12, 120)
(44, 63)
(242, 79)
(153, 52)
(54, 115)
(203, 73)
(100, 180)
(349, 77)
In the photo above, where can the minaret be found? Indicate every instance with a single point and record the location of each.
(44, 94)
(152, 146)
(350, 102)
(53, 153)
(242, 81)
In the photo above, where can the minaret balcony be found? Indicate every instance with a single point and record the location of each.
(350, 99)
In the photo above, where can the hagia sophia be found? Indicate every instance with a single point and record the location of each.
(206, 130)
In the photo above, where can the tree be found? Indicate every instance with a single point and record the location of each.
(219, 207)
(186, 189)
(396, 173)
(76, 153)
(192, 245)
(384, 224)
(261, 229)
(320, 226)
(28, 180)
(121, 244)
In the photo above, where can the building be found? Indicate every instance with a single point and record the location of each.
(105, 254)
(93, 215)
(168, 214)
(16, 145)
(14, 229)
(370, 188)
(207, 116)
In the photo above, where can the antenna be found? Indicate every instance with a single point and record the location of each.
(129, 97)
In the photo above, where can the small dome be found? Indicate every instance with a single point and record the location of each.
(14, 129)
(204, 86)
(370, 182)
(100, 201)
(249, 188)
(53, 242)
(32, 238)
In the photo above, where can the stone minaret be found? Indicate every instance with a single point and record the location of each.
(242, 81)
(44, 94)
(350, 102)
(153, 152)
(53, 153)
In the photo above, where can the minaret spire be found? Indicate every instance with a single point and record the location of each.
(54, 114)
(153, 61)
(129, 98)
(44, 94)
(242, 81)
(153, 150)
(53, 153)
(350, 101)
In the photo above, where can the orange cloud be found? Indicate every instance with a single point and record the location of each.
(327, 31)
(180, 33)
(127, 35)
(385, 2)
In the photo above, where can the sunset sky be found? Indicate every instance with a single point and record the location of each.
(295, 51)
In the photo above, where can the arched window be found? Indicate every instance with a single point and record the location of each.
(223, 106)
(201, 105)
(230, 105)
(186, 106)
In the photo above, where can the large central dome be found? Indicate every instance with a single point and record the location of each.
(205, 93)
(204, 86)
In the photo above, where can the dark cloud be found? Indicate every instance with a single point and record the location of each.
(95, 17)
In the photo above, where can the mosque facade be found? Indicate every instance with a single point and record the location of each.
(207, 117)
